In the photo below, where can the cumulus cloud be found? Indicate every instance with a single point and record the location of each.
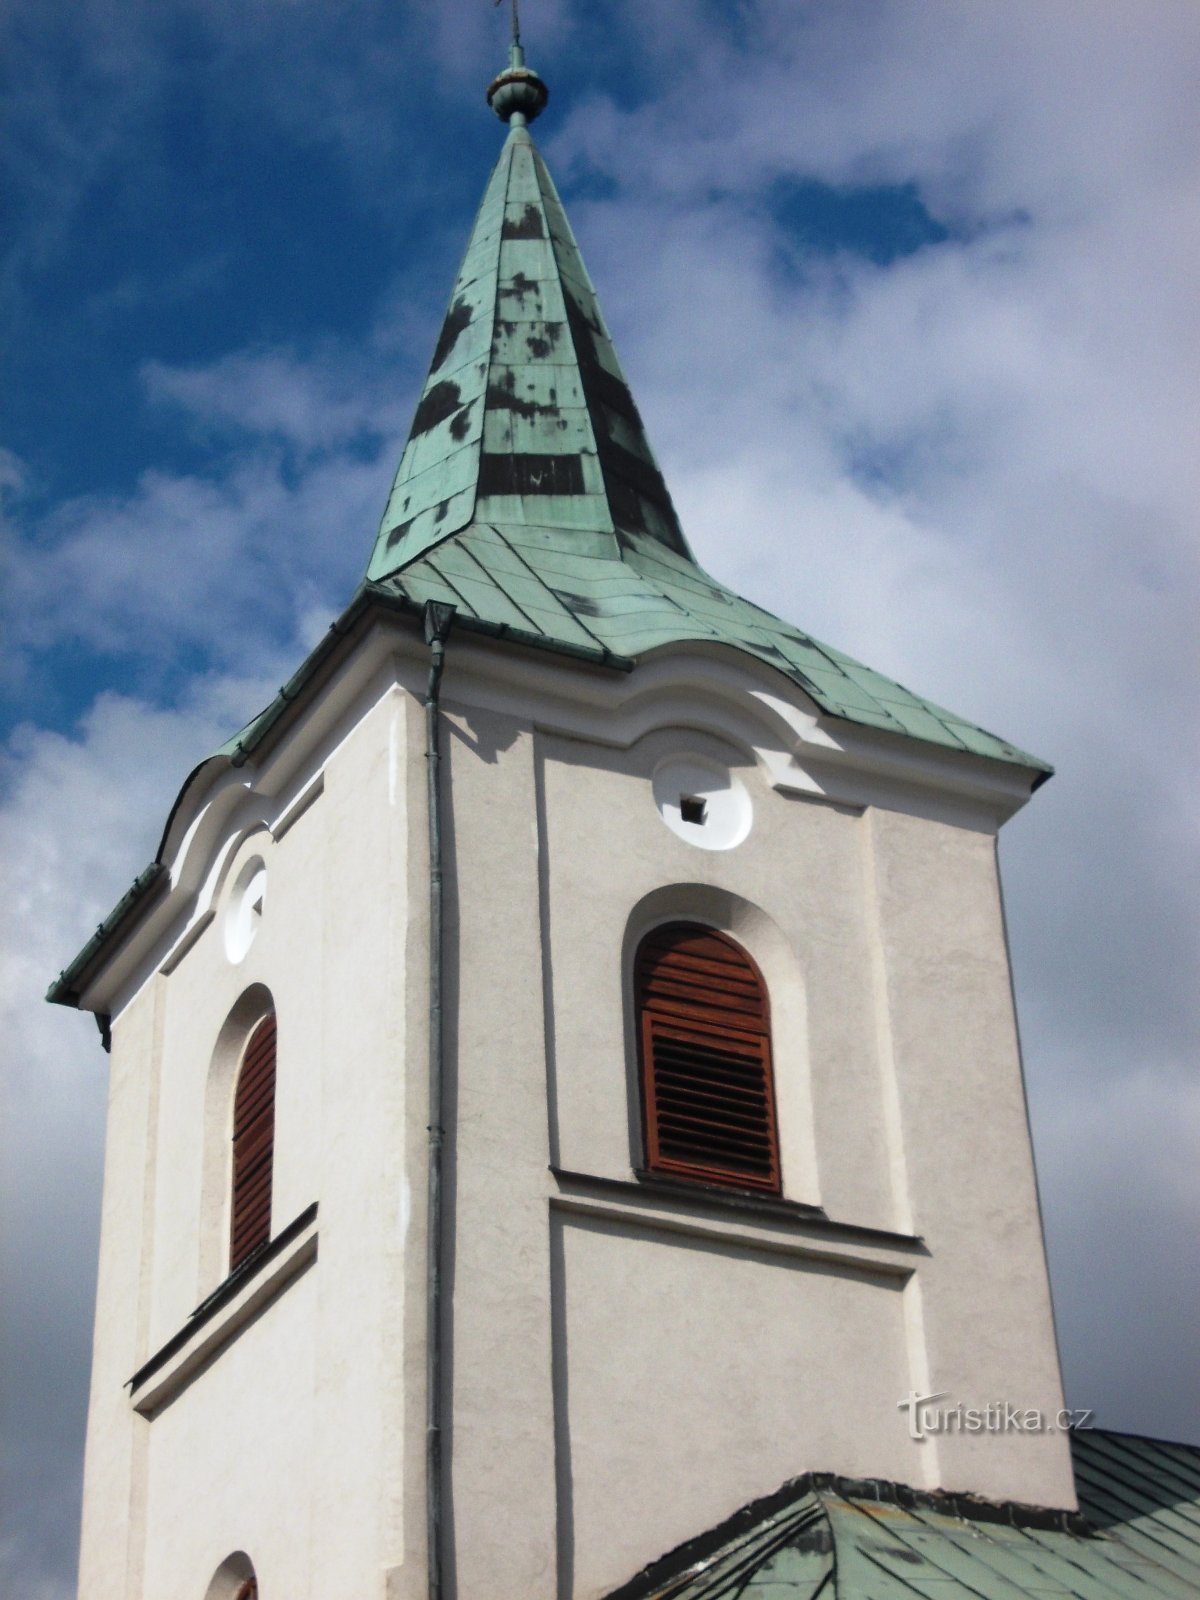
(225, 562)
(315, 407)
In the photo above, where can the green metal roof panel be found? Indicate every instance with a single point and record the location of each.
(540, 545)
(1148, 1491)
(886, 1548)
(871, 1540)
(632, 595)
(432, 586)
(66, 987)
(484, 599)
(525, 411)
(493, 591)
(782, 1553)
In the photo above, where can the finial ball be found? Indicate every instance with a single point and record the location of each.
(517, 91)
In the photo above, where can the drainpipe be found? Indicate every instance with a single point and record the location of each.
(437, 625)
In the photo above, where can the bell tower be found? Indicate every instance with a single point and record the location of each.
(564, 1073)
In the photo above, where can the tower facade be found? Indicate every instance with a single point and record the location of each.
(670, 938)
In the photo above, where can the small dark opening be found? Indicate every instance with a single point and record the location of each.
(693, 809)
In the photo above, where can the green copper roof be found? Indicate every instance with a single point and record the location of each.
(623, 594)
(1138, 1539)
(529, 498)
(525, 416)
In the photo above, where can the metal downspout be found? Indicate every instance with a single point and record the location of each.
(437, 625)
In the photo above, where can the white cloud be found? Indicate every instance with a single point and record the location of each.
(221, 563)
(316, 407)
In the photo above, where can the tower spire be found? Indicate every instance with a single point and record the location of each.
(518, 95)
(528, 495)
(526, 418)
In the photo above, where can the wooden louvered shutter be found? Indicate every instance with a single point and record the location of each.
(253, 1144)
(708, 1096)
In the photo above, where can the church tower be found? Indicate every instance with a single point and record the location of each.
(564, 1074)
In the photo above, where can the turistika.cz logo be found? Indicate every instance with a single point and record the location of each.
(926, 1416)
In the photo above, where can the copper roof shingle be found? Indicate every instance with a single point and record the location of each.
(1136, 1537)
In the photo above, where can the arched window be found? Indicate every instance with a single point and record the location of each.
(234, 1579)
(253, 1144)
(704, 1036)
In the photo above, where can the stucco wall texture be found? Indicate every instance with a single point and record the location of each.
(627, 1363)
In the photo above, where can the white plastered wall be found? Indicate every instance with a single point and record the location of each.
(690, 1369)
(624, 1368)
(289, 1443)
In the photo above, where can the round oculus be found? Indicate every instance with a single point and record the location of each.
(245, 911)
(702, 802)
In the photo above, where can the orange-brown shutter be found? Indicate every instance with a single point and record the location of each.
(253, 1144)
(708, 1096)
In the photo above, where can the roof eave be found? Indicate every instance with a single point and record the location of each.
(68, 988)
(381, 598)
(372, 598)
(369, 601)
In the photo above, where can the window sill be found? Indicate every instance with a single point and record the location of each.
(261, 1278)
(736, 1216)
(727, 1195)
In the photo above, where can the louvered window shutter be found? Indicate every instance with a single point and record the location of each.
(708, 1095)
(253, 1144)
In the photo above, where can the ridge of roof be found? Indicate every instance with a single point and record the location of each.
(860, 1538)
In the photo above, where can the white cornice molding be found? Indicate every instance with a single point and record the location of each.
(709, 689)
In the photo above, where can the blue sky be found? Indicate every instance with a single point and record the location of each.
(905, 292)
